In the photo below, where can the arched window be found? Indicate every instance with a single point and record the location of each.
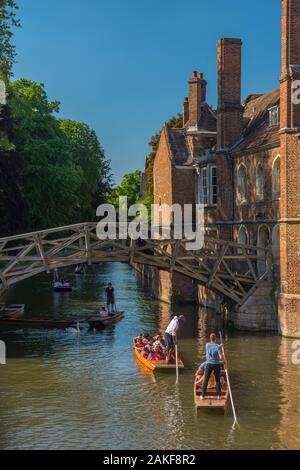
(259, 181)
(276, 178)
(243, 236)
(242, 183)
(263, 240)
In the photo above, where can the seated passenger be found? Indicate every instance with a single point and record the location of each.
(103, 312)
(159, 341)
(159, 353)
(138, 342)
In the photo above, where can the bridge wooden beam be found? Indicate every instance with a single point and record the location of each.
(175, 254)
(217, 265)
(88, 244)
(39, 243)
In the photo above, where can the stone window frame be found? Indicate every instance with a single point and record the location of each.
(204, 189)
(260, 195)
(276, 183)
(273, 116)
(242, 197)
(206, 198)
(213, 188)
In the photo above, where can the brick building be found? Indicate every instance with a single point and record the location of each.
(242, 161)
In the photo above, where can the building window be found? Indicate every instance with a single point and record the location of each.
(274, 116)
(204, 187)
(208, 185)
(242, 184)
(243, 238)
(259, 182)
(276, 178)
(213, 185)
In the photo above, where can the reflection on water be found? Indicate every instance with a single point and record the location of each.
(61, 390)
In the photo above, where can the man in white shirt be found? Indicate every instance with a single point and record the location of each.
(171, 333)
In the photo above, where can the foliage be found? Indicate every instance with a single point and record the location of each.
(8, 21)
(88, 154)
(12, 207)
(60, 174)
(130, 187)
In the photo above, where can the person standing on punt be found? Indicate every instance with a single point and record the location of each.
(214, 360)
(110, 297)
(171, 334)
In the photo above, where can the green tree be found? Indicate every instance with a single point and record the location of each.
(65, 172)
(8, 21)
(88, 154)
(130, 187)
(50, 180)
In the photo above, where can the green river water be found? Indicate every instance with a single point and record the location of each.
(60, 390)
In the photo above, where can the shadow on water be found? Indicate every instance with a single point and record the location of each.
(63, 390)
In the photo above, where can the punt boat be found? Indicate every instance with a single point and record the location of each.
(211, 401)
(36, 323)
(102, 322)
(155, 365)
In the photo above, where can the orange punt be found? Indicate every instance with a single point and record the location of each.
(155, 365)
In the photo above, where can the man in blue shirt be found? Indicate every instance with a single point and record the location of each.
(214, 360)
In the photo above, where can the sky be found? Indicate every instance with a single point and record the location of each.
(122, 66)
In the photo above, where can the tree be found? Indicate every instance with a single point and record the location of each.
(50, 180)
(8, 21)
(88, 154)
(130, 187)
(64, 169)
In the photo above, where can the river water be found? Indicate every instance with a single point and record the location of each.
(60, 390)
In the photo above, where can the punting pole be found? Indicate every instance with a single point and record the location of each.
(229, 388)
(176, 354)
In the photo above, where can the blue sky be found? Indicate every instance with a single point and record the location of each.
(122, 65)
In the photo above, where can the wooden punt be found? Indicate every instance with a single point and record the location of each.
(12, 311)
(211, 401)
(102, 322)
(156, 365)
(36, 323)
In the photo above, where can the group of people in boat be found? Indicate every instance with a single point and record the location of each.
(154, 348)
(211, 374)
(160, 347)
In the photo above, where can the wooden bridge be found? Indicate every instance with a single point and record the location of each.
(227, 268)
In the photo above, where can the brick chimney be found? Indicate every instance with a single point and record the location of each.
(289, 298)
(230, 111)
(197, 96)
(185, 111)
